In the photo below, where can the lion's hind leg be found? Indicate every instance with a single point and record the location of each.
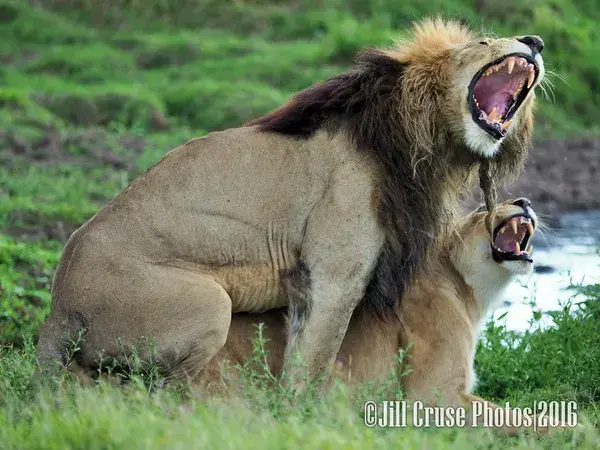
(172, 318)
(165, 317)
(194, 325)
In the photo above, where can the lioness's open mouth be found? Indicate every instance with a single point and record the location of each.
(498, 89)
(511, 239)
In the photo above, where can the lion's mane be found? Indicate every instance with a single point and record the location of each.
(391, 105)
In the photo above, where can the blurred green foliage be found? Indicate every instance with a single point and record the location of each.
(216, 63)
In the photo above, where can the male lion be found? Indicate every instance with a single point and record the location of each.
(440, 315)
(337, 196)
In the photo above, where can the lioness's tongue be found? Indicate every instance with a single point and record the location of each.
(505, 241)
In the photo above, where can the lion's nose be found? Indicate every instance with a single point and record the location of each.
(522, 202)
(535, 43)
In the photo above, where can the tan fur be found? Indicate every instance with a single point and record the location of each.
(316, 215)
(440, 318)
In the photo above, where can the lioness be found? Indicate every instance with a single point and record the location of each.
(440, 315)
(337, 196)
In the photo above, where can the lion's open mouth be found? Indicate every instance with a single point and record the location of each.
(498, 89)
(511, 239)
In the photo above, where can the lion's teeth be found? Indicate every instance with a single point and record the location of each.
(492, 115)
(511, 65)
(517, 248)
(531, 78)
(513, 226)
(530, 229)
(519, 89)
(505, 125)
(530, 251)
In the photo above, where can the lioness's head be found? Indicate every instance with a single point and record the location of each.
(482, 86)
(495, 246)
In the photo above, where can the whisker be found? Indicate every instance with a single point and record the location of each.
(552, 73)
(547, 90)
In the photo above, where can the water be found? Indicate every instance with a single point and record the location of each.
(566, 255)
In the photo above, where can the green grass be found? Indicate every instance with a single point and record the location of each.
(92, 93)
(231, 61)
(58, 413)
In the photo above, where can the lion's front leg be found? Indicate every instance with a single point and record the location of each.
(341, 244)
(316, 330)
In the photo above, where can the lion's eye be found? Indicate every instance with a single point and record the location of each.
(483, 43)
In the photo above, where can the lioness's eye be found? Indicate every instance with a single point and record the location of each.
(483, 43)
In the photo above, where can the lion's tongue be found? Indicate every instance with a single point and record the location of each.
(495, 90)
(505, 241)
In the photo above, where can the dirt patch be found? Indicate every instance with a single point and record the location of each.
(560, 176)
(86, 148)
(29, 226)
(89, 148)
(102, 109)
(174, 55)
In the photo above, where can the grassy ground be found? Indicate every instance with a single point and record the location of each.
(92, 93)
(556, 364)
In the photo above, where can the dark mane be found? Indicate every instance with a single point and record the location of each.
(366, 103)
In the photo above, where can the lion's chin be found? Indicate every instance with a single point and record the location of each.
(478, 141)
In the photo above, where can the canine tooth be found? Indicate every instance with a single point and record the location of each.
(505, 125)
(531, 78)
(518, 90)
(513, 226)
(530, 251)
(530, 229)
(517, 248)
(511, 65)
(492, 115)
